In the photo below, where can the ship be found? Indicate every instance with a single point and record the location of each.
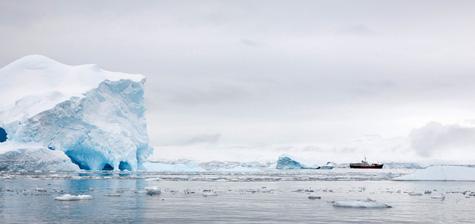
(365, 165)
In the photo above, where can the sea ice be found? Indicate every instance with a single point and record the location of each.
(112, 195)
(69, 197)
(368, 203)
(414, 194)
(208, 193)
(441, 173)
(438, 196)
(314, 197)
(154, 190)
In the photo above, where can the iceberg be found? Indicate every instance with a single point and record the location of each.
(94, 117)
(441, 173)
(286, 162)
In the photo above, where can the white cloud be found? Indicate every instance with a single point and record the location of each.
(267, 72)
(436, 138)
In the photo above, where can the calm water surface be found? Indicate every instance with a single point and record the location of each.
(121, 199)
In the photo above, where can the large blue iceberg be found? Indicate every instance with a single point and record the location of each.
(94, 116)
(285, 162)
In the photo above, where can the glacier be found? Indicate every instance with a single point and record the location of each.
(94, 117)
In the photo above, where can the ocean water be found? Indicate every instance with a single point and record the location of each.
(260, 197)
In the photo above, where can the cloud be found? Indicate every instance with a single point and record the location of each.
(435, 138)
(205, 138)
(249, 42)
(310, 73)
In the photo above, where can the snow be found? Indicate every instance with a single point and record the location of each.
(32, 157)
(69, 197)
(95, 117)
(36, 83)
(441, 173)
(368, 203)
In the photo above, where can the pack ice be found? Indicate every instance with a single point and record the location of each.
(94, 117)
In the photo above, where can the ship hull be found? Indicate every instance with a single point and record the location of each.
(365, 166)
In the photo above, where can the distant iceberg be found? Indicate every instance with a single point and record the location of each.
(95, 117)
(441, 173)
(285, 162)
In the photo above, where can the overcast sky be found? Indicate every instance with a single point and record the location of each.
(249, 80)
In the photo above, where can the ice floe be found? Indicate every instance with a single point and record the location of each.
(70, 197)
(314, 197)
(154, 190)
(209, 193)
(368, 203)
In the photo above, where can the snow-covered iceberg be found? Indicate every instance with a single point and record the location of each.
(441, 173)
(95, 117)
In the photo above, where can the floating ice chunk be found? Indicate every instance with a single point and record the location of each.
(314, 197)
(414, 194)
(307, 190)
(69, 197)
(188, 191)
(112, 195)
(38, 189)
(153, 190)
(440, 197)
(368, 203)
(208, 193)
